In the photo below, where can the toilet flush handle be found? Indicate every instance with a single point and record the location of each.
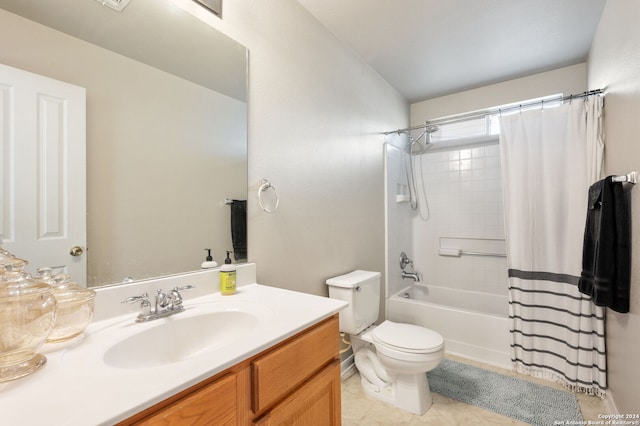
(357, 289)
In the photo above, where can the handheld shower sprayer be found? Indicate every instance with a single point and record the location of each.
(413, 148)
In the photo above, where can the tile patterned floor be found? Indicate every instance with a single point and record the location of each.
(360, 410)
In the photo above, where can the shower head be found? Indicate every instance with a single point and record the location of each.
(414, 144)
(431, 128)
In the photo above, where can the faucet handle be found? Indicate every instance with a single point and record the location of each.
(184, 288)
(404, 261)
(176, 296)
(145, 305)
(142, 298)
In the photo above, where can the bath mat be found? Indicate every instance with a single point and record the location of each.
(509, 396)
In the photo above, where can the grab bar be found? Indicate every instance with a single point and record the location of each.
(473, 253)
(457, 252)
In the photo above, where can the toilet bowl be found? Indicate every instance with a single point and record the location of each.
(392, 358)
(394, 374)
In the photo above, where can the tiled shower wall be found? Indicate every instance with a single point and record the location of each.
(464, 195)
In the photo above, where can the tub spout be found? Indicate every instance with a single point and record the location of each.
(413, 275)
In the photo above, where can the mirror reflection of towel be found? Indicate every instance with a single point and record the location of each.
(239, 229)
(606, 256)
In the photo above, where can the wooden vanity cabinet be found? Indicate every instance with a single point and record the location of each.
(294, 382)
(316, 402)
(299, 381)
(215, 403)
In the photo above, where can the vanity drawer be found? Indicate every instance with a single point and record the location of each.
(281, 370)
(213, 404)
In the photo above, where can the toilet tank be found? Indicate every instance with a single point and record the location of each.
(361, 289)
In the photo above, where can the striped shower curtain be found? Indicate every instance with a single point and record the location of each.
(550, 157)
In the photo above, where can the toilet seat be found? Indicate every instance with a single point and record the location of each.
(407, 338)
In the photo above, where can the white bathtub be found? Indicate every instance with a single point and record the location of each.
(474, 325)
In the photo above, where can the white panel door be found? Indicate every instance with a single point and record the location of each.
(43, 187)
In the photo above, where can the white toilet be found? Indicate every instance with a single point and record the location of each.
(392, 358)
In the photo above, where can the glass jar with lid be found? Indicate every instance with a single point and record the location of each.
(74, 305)
(27, 315)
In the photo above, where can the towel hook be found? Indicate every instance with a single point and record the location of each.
(267, 185)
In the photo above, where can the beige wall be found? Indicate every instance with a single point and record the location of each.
(567, 80)
(315, 116)
(157, 148)
(614, 64)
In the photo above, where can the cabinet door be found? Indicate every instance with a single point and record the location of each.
(316, 402)
(214, 404)
(278, 372)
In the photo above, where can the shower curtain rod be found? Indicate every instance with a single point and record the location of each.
(432, 125)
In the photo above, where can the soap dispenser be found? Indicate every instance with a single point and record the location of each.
(209, 262)
(227, 277)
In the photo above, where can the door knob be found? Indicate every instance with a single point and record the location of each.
(76, 251)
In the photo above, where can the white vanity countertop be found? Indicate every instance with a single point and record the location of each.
(76, 387)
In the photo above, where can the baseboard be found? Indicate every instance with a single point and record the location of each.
(610, 404)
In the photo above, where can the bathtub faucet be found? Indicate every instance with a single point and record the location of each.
(413, 275)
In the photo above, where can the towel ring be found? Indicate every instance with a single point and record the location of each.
(267, 185)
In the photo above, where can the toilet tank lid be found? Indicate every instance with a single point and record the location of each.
(353, 279)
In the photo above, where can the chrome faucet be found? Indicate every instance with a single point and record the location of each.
(404, 262)
(165, 304)
(413, 275)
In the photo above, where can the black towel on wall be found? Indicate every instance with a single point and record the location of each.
(239, 229)
(606, 255)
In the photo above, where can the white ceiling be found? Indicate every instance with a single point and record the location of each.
(430, 48)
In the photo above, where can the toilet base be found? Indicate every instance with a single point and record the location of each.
(407, 392)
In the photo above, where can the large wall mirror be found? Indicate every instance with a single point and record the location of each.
(166, 120)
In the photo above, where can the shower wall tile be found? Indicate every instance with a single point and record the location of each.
(464, 195)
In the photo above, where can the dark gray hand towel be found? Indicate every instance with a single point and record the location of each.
(606, 256)
(239, 229)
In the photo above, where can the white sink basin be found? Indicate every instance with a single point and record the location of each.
(203, 330)
(178, 338)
